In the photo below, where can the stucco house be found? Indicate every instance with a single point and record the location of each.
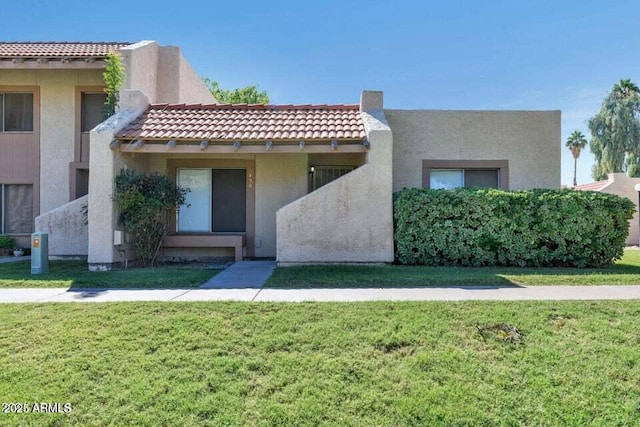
(620, 185)
(299, 183)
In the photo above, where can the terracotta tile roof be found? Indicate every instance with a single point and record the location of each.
(592, 186)
(242, 122)
(58, 49)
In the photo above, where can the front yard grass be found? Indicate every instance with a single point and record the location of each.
(625, 271)
(74, 274)
(381, 363)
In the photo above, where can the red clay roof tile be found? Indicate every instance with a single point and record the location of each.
(592, 186)
(58, 49)
(246, 122)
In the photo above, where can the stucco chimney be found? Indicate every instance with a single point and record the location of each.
(371, 100)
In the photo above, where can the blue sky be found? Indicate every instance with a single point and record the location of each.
(511, 54)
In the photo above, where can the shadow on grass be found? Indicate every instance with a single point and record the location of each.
(75, 276)
(395, 276)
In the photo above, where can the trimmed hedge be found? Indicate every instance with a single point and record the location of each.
(519, 228)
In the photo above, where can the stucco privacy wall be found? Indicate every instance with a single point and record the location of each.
(529, 140)
(350, 219)
(280, 179)
(68, 233)
(57, 124)
(162, 74)
(621, 185)
(104, 164)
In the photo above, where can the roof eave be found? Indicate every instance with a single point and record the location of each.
(72, 63)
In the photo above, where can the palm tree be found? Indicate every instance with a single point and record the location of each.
(576, 142)
(625, 88)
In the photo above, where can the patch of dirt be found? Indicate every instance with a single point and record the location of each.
(502, 331)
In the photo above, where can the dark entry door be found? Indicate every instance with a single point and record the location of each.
(229, 200)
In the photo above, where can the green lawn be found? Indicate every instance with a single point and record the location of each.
(288, 364)
(74, 274)
(624, 272)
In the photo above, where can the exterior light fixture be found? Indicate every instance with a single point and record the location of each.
(137, 144)
(269, 145)
(366, 143)
(312, 169)
(236, 145)
(203, 145)
(301, 145)
(171, 144)
(334, 144)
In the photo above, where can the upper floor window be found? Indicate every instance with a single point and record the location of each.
(16, 111)
(92, 107)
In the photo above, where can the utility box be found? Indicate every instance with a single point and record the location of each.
(39, 253)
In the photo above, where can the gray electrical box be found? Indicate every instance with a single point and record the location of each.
(39, 253)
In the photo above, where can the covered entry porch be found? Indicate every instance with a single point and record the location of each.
(241, 163)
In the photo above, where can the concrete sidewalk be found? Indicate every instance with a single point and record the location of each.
(8, 259)
(464, 293)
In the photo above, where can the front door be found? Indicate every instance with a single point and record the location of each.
(229, 200)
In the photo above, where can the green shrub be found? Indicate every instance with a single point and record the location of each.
(7, 242)
(520, 228)
(145, 203)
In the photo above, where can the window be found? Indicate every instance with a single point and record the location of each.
(16, 208)
(92, 106)
(216, 202)
(448, 174)
(82, 182)
(16, 111)
(467, 178)
(322, 175)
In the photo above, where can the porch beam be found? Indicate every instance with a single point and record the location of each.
(251, 149)
(49, 64)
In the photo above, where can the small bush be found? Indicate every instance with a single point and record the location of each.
(145, 202)
(7, 242)
(520, 228)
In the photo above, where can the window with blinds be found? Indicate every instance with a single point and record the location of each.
(16, 112)
(467, 178)
(216, 201)
(16, 208)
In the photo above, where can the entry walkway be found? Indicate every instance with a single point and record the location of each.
(242, 274)
(467, 293)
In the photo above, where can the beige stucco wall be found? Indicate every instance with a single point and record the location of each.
(621, 185)
(149, 71)
(57, 124)
(350, 219)
(192, 89)
(104, 164)
(280, 179)
(162, 74)
(68, 233)
(529, 140)
(140, 62)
